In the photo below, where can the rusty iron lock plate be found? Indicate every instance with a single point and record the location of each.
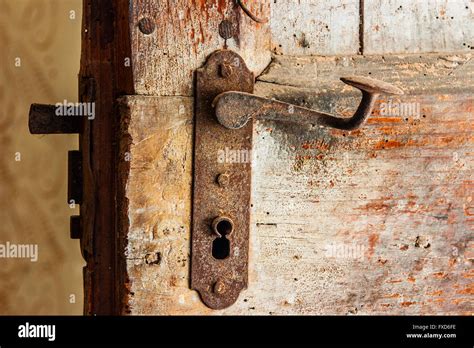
(222, 186)
(221, 197)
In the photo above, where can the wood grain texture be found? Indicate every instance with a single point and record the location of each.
(416, 74)
(33, 168)
(404, 26)
(374, 221)
(155, 176)
(186, 33)
(102, 79)
(309, 27)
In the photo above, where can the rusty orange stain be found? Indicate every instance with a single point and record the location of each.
(173, 280)
(437, 300)
(458, 301)
(468, 274)
(387, 130)
(469, 290)
(469, 211)
(435, 293)
(452, 261)
(411, 279)
(373, 120)
(356, 132)
(439, 141)
(375, 206)
(388, 144)
(309, 157)
(407, 304)
(316, 145)
(440, 275)
(391, 296)
(445, 97)
(222, 6)
(373, 239)
(393, 281)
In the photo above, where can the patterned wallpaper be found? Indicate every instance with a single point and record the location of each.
(39, 62)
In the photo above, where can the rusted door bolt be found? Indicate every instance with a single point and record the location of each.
(223, 179)
(146, 26)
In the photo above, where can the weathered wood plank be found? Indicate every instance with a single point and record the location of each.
(185, 33)
(155, 176)
(366, 222)
(374, 221)
(451, 73)
(405, 26)
(105, 45)
(308, 27)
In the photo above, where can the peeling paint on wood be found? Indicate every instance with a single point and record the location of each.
(186, 33)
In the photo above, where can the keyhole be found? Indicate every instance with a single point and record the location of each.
(222, 227)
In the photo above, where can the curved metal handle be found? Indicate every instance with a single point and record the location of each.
(235, 109)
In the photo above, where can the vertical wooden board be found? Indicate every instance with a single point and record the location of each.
(155, 179)
(185, 33)
(308, 27)
(103, 78)
(405, 26)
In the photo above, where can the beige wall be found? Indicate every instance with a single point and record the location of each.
(33, 190)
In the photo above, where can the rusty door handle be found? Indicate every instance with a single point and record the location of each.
(222, 193)
(234, 109)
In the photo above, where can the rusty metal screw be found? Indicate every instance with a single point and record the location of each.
(146, 26)
(226, 29)
(223, 179)
(219, 287)
(226, 70)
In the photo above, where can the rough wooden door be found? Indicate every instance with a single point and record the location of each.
(372, 221)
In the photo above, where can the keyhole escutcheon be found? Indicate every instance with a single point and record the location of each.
(222, 227)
